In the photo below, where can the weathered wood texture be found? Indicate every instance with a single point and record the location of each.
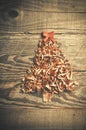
(38, 15)
(21, 23)
(66, 119)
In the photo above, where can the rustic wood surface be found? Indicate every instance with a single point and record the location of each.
(21, 23)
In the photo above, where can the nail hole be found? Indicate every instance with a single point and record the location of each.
(13, 13)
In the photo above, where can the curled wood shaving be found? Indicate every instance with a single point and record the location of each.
(50, 72)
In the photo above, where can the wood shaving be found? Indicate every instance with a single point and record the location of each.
(51, 71)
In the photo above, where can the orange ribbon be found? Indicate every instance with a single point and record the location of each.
(48, 36)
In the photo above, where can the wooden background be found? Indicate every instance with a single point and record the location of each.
(21, 22)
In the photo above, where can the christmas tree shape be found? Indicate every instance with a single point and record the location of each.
(51, 71)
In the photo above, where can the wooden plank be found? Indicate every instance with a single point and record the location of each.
(55, 5)
(40, 119)
(10, 93)
(36, 22)
(13, 16)
(18, 49)
(46, 5)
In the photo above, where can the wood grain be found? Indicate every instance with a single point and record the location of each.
(20, 35)
(17, 55)
(21, 23)
(16, 18)
(20, 48)
(57, 119)
(46, 5)
(35, 22)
